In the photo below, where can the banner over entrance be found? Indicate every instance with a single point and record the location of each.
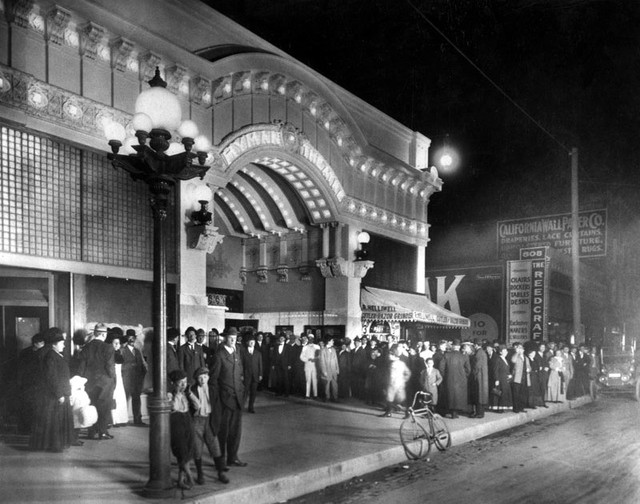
(387, 305)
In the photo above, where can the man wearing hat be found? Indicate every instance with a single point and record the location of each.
(97, 365)
(479, 383)
(280, 365)
(455, 369)
(134, 367)
(252, 370)
(190, 355)
(173, 335)
(227, 387)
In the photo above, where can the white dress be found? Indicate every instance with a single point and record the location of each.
(120, 414)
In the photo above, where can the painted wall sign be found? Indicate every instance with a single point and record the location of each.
(554, 231)
(470, 290)
(483, 326)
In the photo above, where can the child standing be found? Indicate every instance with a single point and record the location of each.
(202, 427)
(182, 434)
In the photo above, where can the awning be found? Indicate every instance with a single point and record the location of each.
(22, 297)
(382, 304)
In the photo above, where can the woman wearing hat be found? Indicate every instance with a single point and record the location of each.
(120, 409)
(53, 428)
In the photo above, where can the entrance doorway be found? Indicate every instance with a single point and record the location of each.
(19, 324)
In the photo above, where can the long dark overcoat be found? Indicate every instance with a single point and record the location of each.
(479, 383)
(97, 365)
(501, 374)
(53, 425)
(455, 369)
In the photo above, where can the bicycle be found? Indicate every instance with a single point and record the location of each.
(416, 435)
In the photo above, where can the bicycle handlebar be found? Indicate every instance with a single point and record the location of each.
(422, 393)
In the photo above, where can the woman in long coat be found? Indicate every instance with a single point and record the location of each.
(535, 397)
(53, 428)
(554, 384)
(502, 382)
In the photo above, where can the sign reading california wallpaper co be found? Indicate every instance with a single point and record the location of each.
(554, 231)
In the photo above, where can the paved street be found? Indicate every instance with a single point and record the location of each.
(588, 455)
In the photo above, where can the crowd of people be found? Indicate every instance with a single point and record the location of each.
(92, 389)
(468, 378)
(213, 377)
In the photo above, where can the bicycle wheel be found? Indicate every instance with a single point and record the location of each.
(441, 436)
(415, 438)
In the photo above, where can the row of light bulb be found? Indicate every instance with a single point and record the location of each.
(113, 130)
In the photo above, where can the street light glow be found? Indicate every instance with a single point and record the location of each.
(446, 160)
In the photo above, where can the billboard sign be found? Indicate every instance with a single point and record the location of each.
(474, 292)
(554, 231)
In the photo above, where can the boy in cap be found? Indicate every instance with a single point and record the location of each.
(202, 426)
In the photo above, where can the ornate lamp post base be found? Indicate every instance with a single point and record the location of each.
(160, 484)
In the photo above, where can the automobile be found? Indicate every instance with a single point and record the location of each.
(618, 370)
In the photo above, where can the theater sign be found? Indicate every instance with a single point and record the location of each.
(554, 231)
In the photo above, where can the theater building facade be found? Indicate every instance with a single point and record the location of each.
(299, 168)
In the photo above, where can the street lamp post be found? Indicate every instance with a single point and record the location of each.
(160, 164)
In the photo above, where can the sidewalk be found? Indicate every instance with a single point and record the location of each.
(292, 446)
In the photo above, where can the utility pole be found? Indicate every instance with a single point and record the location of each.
(575, 247)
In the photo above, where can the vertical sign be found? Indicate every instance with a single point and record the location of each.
(518, 301)
(539, 278)
(538, 300)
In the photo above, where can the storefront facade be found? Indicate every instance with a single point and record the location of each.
(299, 168)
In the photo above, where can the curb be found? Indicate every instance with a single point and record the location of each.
(295, 485)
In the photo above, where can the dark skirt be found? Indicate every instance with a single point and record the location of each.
(504, 400)
(182, 437)
(53, 426)
(535, 398)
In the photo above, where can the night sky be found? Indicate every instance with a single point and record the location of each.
(570, 70)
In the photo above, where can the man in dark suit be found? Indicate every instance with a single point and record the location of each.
(173, 334)
(455, 370)
(190, 355)
(227, 388)
(252, 371)
(359, 365)
(97, 365)
(280, 365)
(201, 336)
(134, 367)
